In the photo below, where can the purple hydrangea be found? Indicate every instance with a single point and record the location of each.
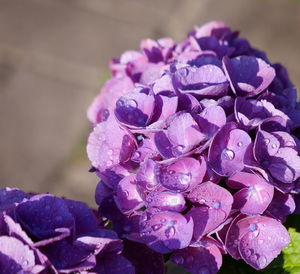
(196, 145)
(46, 234)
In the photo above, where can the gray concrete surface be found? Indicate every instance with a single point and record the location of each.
(53, 60)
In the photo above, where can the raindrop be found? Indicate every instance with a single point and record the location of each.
(248, 252)
(126, 193)
(227, 154)
(25, 262)
(179, 148)
(267, 141)
(262, 261)
(156, 227)
(105, 114)
(274, 146)
(253, 257)
(136, 155)
(252, 227)
(132, 103)
(170, 232)
(170, 172)
(163, 220)
(140, 138)
(240, 144)
(120, 103)
(185, 179)
(216, 205)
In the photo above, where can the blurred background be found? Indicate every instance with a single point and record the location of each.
(53, 61)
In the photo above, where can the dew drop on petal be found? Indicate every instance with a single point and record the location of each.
(252, 227)
(240, 144)
(267, 141)
(274, 146)
(184, 179)
(227, 154)
(216, 205)
(262, 261)
(132, 103)
(170, 232)
(170, 172)
(136, 155)
(156, 227)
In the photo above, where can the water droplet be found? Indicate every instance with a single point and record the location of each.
(140, 138)
(240, 144)
(25, 262)
(189, 259)
(126, 193)
(185, 179)
(163, 220)
(109, 152)
(201, 201)
(216, 205)
(170, 232)
(252, 227)
(267, 141)
(262, 261)
(274, 146)
(227, 154)
(120, 103)
(253, 257)
(136, 155)
(179, 148)
(248, 252)
(156, 227)
(203, 270)
(132, 103)
(170, 172)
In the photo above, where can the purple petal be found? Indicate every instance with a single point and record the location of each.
(210, 120)
(42, 214)
(207, 80)
(104, 149)
(181, 175)
(183, 133)
(256, 195)
(127, 197)
(15, 257)
(166, 231)
(282, 205)
(104, 104)
(166, 201)
(203, 259)
(10, 196)
(227, 150)
(135, 109)
(85, 219)
(248, 75)
(262, 241)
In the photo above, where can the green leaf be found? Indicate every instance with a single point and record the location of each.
(291, 253)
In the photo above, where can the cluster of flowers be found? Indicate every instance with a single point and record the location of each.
(46, 234)
(196, 145)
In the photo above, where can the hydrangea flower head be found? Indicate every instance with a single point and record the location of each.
(196, 145)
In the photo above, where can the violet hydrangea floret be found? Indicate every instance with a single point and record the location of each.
(208, 128)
